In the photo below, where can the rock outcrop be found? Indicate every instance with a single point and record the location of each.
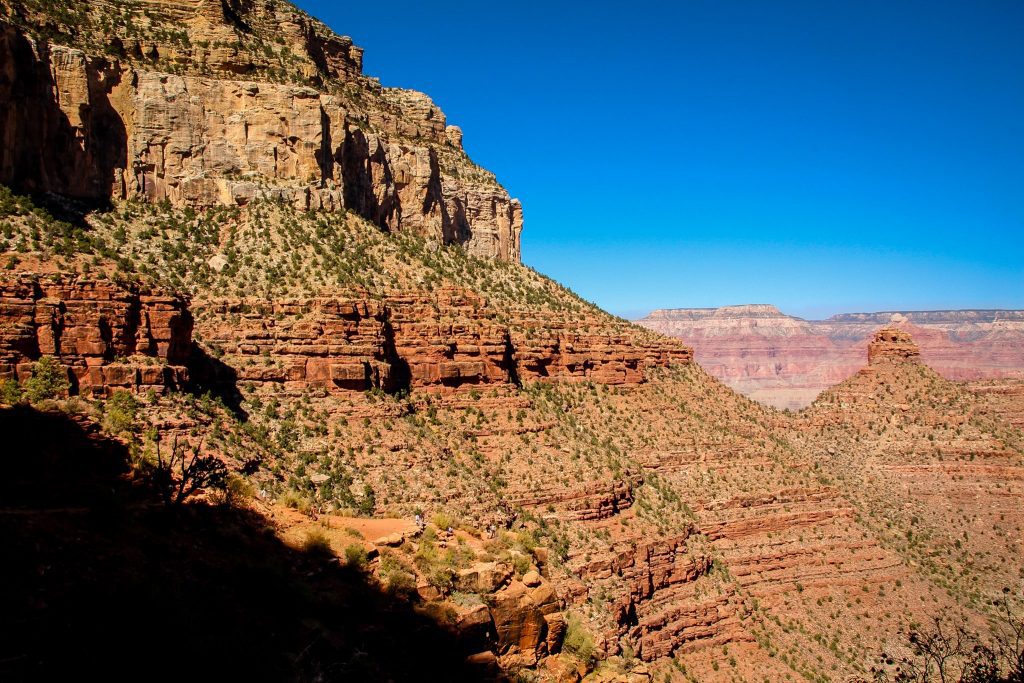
(190, 122)
(114, 336)
(108, 336)
(437, 342)
(891, 343)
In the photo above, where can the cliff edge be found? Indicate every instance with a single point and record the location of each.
(203, 103)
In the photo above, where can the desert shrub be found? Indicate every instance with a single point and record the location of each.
(317, 543)
(442, 520)
(439, 568)
(397, 576)
(521, 563)
(49, 380)
(355, 556)
(180, 476)
(948, 649)
(239, 488)
(10, 391)
(401, 583)
(578, 640)
(368, 503)
(295, 501)
(120, 412)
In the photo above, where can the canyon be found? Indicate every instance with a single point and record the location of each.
(785, 361)
(223, 243)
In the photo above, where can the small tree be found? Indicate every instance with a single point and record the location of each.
(120, 412)
(181, 476)
(49, 380)
(948, 651)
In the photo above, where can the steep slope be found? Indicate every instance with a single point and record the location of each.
(786, 361)
(898, 431)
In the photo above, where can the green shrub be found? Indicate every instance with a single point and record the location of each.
(49, 380)
(521, 563)
(120, 412)
(578, 640)
(10, 392)
(355, 556)
(368, 503)
(317, 543)
(239, 488)
(397, 576)
(294, 500)
(442, 520)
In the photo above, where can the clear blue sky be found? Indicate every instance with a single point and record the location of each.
(822, 155)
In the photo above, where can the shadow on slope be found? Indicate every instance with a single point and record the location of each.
(100, 580)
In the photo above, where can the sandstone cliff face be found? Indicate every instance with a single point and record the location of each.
(108, 336)
(786, 361)
(440, 342)
(891, 343)
(112, 336)
(199, 125)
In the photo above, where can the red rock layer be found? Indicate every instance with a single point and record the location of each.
(436, 342)
(892, 343)
(109, 336)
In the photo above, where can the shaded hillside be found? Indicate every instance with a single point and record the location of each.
(102, 579)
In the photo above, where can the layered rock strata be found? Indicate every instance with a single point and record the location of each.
(195, 125)
(786, 361)
(436, 342)
(114, 336)
(891, 343)
(108, 336)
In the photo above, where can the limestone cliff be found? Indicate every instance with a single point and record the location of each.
(204, 103)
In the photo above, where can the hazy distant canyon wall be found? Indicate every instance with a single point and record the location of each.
(787, 361)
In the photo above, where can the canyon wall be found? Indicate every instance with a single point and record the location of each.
(786, 361)
(108, 336)
(201, 121)
(436, 342)
(113, 336)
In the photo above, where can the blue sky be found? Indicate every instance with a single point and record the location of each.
(821, 155)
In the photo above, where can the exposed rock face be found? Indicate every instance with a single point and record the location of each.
(436, 342)
(527, 622)
(110, 337)
(197, 126)
(786, 361)
(441, 342)
(891, 343)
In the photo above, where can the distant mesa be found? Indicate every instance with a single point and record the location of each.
(786, 361)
